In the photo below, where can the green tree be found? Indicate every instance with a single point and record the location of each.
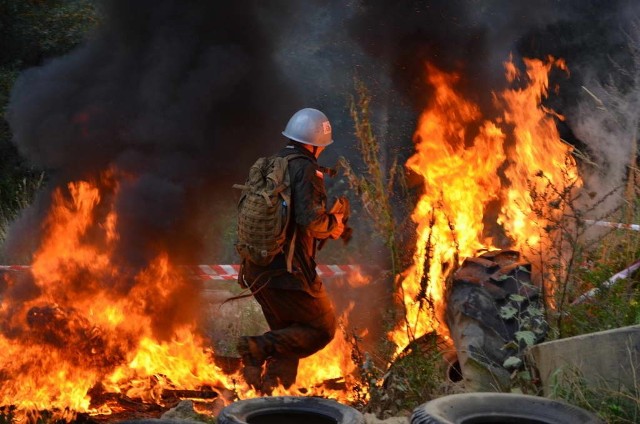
(31, 32)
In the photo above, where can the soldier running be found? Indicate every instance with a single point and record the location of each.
(295, 304)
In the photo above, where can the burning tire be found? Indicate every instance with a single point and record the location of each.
(493, 313)
(499, 408)
(289, 410)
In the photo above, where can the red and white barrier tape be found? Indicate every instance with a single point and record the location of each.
(625, 273)
(14, 267)
(229, 272)
(633, 227)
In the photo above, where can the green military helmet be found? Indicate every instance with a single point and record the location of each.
(309, 126)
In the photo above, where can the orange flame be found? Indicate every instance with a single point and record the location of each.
(537, 157)
(331, 364)
(91, 327)
(80, 330)
(468, 165)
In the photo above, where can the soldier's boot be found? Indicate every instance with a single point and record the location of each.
(254, 353)
(279, 371)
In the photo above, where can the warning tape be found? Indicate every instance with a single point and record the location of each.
(228, 272)
(14, 267)
(634, 227)
(625, 273)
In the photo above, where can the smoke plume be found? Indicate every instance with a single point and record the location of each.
(180, 96)
(177, 98)
(598, 40)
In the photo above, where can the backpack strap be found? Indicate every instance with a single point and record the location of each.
(295, 156)
(292, 244)
(248, 290)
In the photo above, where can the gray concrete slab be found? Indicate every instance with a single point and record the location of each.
(603, 359)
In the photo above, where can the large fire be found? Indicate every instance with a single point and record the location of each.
(92, 326)
(470, 164)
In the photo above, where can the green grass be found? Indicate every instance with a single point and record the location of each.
(615, 405)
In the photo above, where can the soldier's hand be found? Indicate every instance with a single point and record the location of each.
(339, 228)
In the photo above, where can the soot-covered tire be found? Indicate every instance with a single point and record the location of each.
(500, 408)
(491, 299)
(289, 409)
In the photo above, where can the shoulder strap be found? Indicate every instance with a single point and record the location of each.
(292, 243)
(296, 155)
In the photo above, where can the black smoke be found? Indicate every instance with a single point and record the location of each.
(474, 38)
(185, 95)
(598, 39)
(178, 94)
(179, 97)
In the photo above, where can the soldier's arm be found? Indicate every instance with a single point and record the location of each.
(310, 204)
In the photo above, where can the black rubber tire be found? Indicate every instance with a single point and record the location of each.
(484, 340)
(243, 411)
(499, 408)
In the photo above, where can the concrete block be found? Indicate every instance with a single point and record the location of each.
(604, 359)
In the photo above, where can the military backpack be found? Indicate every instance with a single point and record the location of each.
(264, 211)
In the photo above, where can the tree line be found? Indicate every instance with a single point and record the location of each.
(32, 32)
